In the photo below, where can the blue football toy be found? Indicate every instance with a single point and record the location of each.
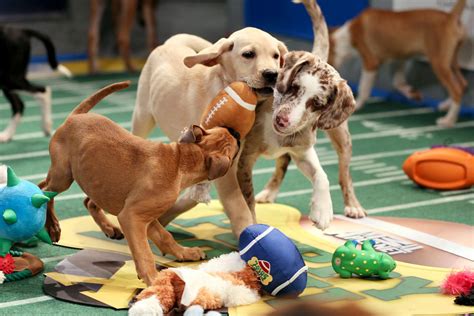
(22, 212)
(275, 259)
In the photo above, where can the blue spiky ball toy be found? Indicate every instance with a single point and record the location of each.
(22, 212)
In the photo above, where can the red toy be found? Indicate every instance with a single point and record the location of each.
(460, 283)
(444, 168)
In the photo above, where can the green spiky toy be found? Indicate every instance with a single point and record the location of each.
(366, 262)
(22, 212)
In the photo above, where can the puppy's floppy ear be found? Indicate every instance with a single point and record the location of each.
(283, 51)
(209, 56)
(193, 134)
(340, 105)
(293, 65)
(217, 165)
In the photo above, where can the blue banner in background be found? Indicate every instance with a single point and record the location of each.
(287, 18)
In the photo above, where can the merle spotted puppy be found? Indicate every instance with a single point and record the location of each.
(310, 95)
(14, 58)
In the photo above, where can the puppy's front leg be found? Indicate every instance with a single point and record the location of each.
(168, 245)
(271, 189)
(321, 204)
(234, 203)
(400, 83)
(134, 221)
(244, 175)
(366, 83)
(341, 141)
(184, 203)
(44, 99)
(52, 222)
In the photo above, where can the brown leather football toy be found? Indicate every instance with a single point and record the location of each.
(233, 107)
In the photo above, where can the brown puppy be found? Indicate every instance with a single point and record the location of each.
(381, 35)
(135, 179)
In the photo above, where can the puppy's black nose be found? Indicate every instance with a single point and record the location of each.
(270, 75)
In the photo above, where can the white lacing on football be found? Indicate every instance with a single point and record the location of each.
(214, 109)
(238, 99)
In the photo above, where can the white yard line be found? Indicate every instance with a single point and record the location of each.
(337, 187)
(31, 154)
(361, 163)
(386, 114)
(332, 156)
(58, 101)
(388, 174)
(34, 176)
(67, 197)
(32, 135)
(27, 301)
(63, 115)
(356, 160)
(44, 153)
(401, 131)
(406, 206)
(386, 154)
(454, 192)
(414, 235)
(388, 168)
(370, 167)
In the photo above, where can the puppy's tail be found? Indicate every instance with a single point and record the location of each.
(48, 44)
(50, 52)
(457, 9)
(86, 105)
(320, 29)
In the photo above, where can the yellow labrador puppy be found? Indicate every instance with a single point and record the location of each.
(182, 76)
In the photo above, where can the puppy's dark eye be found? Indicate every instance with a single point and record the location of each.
(276, 56)
(248, 54)
(294, 88)
(315, 104)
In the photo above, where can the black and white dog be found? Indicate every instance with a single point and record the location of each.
(15, 50)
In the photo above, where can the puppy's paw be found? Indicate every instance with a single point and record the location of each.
(445, 122)
(5, 137)
(54, 230)
(113, 232)
(190, 254)
(194, 310)
(354, 212)
(47, 130)
(445, 105)
(415, 95)
(149, 306)
(266, 196)
(321, 215)
(409, 92)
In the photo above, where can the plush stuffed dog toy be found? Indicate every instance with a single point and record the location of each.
(225, 281)
(135, 179)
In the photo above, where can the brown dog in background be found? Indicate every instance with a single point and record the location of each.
(381, 35)
(123, 12)
(135, 179)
